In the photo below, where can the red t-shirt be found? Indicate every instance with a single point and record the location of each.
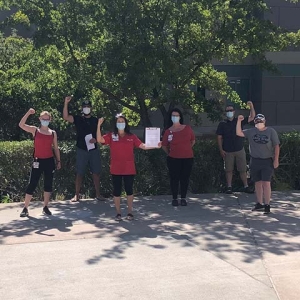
(121, 153)
(179, 142)
(43, 145)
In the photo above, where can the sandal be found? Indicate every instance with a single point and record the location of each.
(130, 217)
(118, 217)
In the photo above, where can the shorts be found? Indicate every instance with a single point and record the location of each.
(85, 158)
(239, 157)
(261, 169)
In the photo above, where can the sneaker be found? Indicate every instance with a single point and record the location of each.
(248, 190)
(118, 217)
(24, 213)
(229, 190)
(183, 202)
(258, 206)
(267, 209)
(129, 217)
(46, 211)
(100, 198)
(175, 202)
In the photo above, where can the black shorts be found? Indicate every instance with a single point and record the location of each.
(261, 169)
(117, 184)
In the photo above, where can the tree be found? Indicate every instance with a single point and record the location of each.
(141, 54)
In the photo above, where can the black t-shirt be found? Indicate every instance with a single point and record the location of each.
(85, 126)
(227, 129)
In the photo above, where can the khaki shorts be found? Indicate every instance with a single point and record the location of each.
(239, 157)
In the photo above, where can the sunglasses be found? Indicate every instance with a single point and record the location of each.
(229, 110)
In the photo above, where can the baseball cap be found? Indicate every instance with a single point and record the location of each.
(260, 117)
(87, 103)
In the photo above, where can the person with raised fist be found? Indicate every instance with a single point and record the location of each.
(45, 141)
(264, 151)
(231, 146)
(87, 151)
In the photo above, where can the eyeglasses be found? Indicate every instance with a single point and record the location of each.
(229, 110)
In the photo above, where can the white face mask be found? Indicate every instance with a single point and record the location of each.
(260, 125)
(45, 123)
(229, 114)
(86, 110)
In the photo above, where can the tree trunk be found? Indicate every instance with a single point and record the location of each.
(146, 122)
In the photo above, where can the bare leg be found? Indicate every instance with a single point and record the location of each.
(243, 176)
(259, 191)
(266, 185)
(130, 203)
(229, 178)
(117, 201)
(96, 179)
(78, 183)
(27, 200)
(46, 198)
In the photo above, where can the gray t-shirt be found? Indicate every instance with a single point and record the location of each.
(261, 142)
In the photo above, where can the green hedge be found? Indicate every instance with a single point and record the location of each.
(152, 178)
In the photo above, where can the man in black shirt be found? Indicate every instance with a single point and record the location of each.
(232, 146)
(87, 152)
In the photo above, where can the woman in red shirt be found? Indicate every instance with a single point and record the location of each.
(122, 166)
(45, 140)
(178, 142)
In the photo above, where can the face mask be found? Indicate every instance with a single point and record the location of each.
(121, 126)
(229, 114)
(175, 119)
(86, 110)
(45, 123)
(260, 125)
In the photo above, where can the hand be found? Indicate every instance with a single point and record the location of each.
(58, 165)
(68, 99)
(31, 111)
(223, 153)
(275, 163)
(159, 145)
(240, 118)
(250, 104)
(93, 141)
(100, 121)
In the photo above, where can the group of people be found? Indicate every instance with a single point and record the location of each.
(177, 142)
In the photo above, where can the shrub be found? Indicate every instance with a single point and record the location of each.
(152, 174)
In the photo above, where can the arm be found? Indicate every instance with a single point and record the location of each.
(100, 138)
(166, 149)
(56, 151)
(239, 131)
(276, 157)
(23, 124)
(193, 143)
(252, 111)
(220, 144)
(66, 116)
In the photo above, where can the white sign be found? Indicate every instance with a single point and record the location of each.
(89, 145)
(152, 137)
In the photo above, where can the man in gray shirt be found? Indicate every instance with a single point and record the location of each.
(264, 151)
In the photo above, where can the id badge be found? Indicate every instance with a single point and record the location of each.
(170, 137)
(115, 137)
(36, 165)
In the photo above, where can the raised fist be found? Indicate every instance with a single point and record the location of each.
(240, 118)
(31, 111)
(250, 104)
(68, 99)
(100, 121)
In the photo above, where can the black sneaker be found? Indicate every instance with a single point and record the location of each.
(229, 190)
(46, 211)
(248, 190)
(118, 217)
(267, 209)
(175, 202)
(258, 206)
(24, 213)
(183, 202)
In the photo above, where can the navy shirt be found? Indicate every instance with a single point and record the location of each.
(227, 129)
(85, 126)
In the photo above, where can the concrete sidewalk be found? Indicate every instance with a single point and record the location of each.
(215, 248)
